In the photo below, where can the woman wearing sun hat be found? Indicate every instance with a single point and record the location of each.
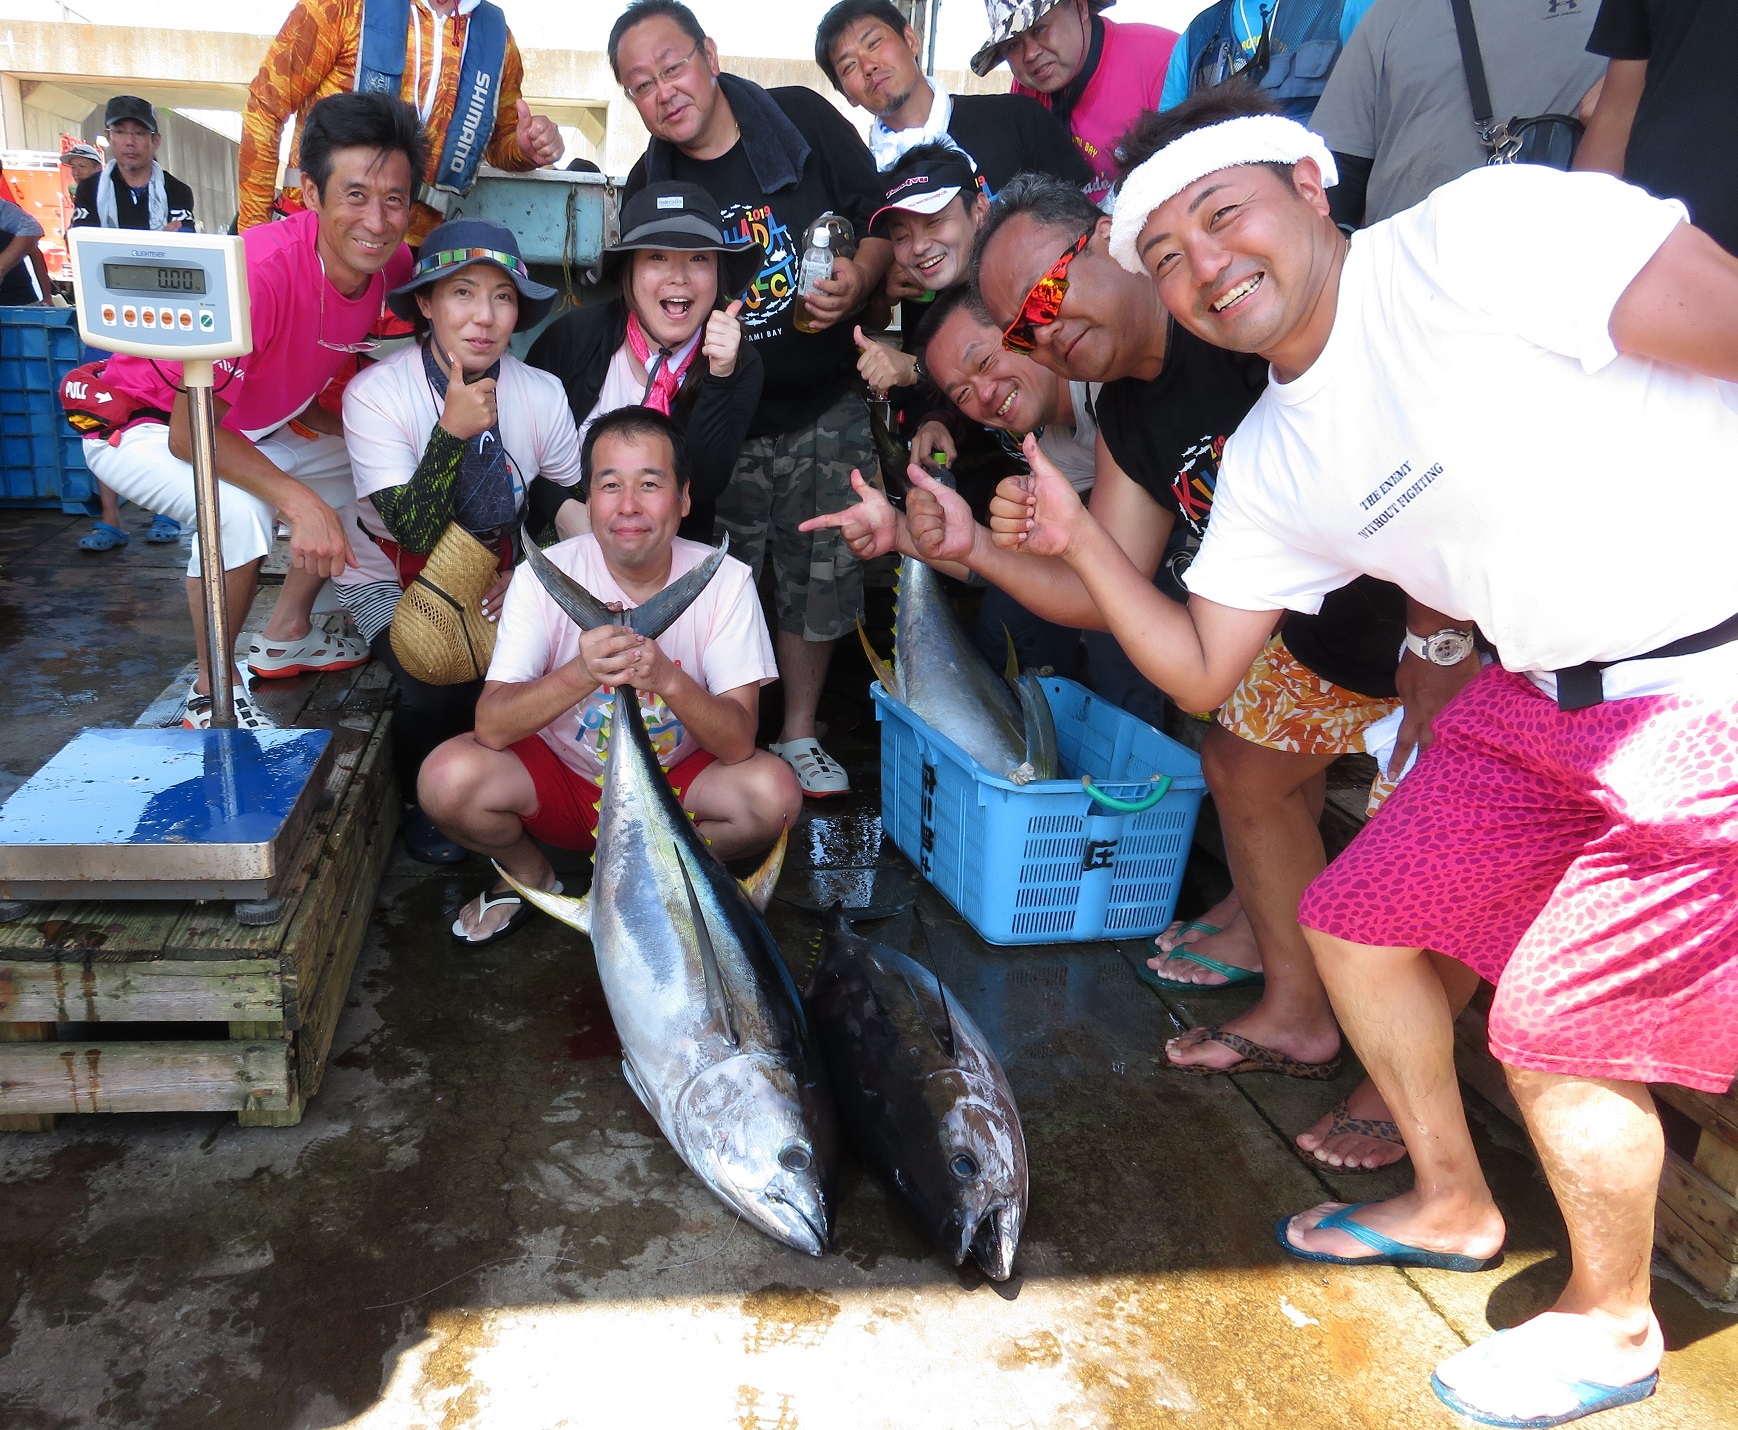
(445, 438)
(672, 340)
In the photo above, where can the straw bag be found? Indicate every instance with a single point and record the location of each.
(438, 631)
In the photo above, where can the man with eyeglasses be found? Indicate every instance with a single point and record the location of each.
(1285, 48)
(775, 160)
(316, 283)
(1093, 74)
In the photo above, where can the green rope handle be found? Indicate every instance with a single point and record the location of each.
(1161, 788)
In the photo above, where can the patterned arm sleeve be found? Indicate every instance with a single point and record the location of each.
(504, 151)
(301, 56)
(418, 512)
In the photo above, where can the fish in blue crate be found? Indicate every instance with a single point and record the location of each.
(714, 1038)
(921, 1095)
(1004, 723)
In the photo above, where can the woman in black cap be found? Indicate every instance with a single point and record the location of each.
(672, 340)
(453, 429)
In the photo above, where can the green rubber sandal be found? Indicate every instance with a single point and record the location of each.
(1234, 976)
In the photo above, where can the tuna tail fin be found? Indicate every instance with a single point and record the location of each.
(715, 990)
(651, 619)
(1041, 752)
(759, 885)
(883, 671)
(582, 608)
(575, 913)
(661, 612)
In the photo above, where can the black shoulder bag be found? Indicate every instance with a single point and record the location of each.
(1543, 139)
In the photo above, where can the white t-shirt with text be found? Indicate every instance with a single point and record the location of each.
(721, 640)
(1471, 434)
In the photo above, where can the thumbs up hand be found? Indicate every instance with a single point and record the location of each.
(539, 139)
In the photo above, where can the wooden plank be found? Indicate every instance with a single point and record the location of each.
(1715, 1112)
(1717, 1160)
(1687, 1251)
(161, 991)
(27, 1033)
(1711, 1213)
(144, 1077)
(95, 928)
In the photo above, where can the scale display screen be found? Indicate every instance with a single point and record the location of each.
(153, 278)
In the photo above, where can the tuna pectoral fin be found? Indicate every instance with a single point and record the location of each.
(1040, 727)
(758, 886)
(658, 614)
(930, 995)
(575, 913)
(716, 995)
(582, 608)
(883, 671)
(1011, 672)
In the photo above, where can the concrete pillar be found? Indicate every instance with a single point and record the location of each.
(11, 113)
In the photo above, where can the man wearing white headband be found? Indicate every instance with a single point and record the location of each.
(1462, 400)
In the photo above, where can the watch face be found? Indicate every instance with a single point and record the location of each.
(1448, 648)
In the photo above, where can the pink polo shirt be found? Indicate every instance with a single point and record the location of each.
(1130, 74)
(287, 368)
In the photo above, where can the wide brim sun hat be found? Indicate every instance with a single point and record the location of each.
(439, 632)
(460, 243)
(681, 217)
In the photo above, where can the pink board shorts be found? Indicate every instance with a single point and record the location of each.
(1585, 862)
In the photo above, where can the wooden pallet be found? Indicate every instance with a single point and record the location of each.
(1696, 1220)
(174, 1007)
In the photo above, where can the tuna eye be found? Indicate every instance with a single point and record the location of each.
(795, 1158)
(963, 1167)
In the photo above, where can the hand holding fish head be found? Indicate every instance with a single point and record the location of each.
(941, 524)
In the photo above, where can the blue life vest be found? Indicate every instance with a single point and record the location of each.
(1302, 44)
(380, 70)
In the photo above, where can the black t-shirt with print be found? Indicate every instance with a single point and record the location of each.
(805, 372)
(1168, 433)
(1686, 115)
(132, 206)
(1009, 134)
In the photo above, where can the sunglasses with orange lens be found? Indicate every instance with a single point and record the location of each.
(1044, 302)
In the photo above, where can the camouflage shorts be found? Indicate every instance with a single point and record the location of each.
(782, 481)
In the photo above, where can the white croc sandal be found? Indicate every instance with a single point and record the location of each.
(819, 774)
(319, 650)
(248, 716)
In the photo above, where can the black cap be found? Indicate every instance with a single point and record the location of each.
(130, 106)
(460, 242)
(925, 187)
(675, 215)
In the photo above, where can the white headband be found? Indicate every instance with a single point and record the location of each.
(1253, 139)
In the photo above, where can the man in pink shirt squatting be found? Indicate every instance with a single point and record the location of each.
(1093, 74)
(315, 285)
(530, 769)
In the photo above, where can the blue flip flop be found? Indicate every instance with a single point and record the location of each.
(1593, 1398)
(1234, 976)
(1385, 1251)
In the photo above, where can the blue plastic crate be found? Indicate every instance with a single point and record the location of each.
(41, 458)
(1044, 862)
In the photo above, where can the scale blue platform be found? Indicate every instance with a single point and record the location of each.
(163, 814)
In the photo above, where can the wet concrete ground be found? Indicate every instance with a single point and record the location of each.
(476, 1224)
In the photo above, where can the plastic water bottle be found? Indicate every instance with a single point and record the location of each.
(817, 264)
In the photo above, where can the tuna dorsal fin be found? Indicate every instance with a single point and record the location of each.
(759, 885)
(935, 1005)
(661, 612)
(715, 992)
(575, 913)
(883, 671)
(582, 608)
(1040, 722)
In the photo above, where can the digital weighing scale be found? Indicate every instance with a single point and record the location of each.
(168, 814)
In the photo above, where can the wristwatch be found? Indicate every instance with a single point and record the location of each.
(1444, 647)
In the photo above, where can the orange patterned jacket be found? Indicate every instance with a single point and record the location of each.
(315, 55)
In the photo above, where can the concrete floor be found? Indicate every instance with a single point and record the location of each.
(476, 1225)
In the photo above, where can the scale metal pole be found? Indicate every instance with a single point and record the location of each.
(219, 644)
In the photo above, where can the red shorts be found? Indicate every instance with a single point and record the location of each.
(567, 803)
(1584, 861)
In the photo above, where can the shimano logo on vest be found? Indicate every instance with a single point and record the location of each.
(471, 123)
